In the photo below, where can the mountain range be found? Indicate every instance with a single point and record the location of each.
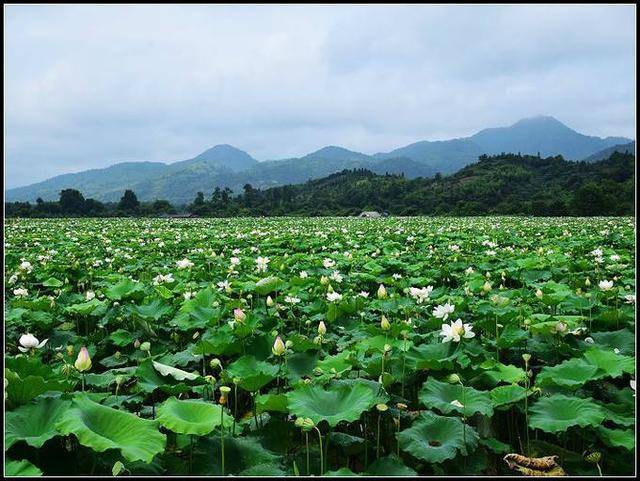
(227, 166)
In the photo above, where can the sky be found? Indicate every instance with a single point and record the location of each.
(88, 86)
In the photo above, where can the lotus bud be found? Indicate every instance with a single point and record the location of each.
(382, 292)
(66, 369)
(236, 381)
(382, 407)
(288, 344)
(239, 315)
(486, 287)
(136, 344)
(306, 424)
(83, 362)
(70, 351)
(539, 294)
(269, 301)
(322, 329)
(324, 280)
(278, 347)
(330, 288)
(317, 340)
(384, 323)
(587, 282)
(453, 378)
(387, 348)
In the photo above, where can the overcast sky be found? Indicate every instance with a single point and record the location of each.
(88, 86)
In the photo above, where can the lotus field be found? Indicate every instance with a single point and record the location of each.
(320, 346)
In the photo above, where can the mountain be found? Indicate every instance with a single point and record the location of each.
(603, 154)
(544, 135)
(501, 184)
(227, 166)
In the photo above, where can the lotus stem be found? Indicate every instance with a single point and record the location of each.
(235, 407)
(326, 453)
(378, 437)
(222, 435)
(320, 444)
(83, 382)
(307, 443)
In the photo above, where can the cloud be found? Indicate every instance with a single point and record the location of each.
(87, 86)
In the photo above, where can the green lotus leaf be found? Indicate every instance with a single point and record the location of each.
(271, 402)
(559, 412)
(22, 390)
(571, 374)
(502, 395)
(340, 403)
(53, 282)
(441, 395)
(621, 414)
(154, 310)
(94, 306)
(20, 468)
(435, 439)
(191, 416)
(34, 423)
(431, 356)
(125, 289)
(268, 285)
(618, 438)
(177, 374)
(390, 466)
(253, 374)
(100, 428)
(340, 472)
(609, 363)
(505, 373)
(623, 339)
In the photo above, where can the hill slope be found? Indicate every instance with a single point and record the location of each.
(629, 148)
(502, 184)
(227, 166)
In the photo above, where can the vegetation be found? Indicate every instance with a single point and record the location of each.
(397, 346)
(502, 184)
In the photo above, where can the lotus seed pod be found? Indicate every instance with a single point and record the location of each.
(236, 381)
(593, 457)
(145, 346)
(382, 407)
(526, 357)
(118, 355)
(453, 378)
(225, 390)
(120, 380)
(215, 363)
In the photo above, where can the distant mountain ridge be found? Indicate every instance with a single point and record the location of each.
(226, 166)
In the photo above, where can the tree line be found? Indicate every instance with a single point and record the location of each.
(512, 184)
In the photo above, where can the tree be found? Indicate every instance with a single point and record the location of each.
(129, 201)
(71, 201)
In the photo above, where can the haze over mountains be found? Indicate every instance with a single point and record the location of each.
(227, 166)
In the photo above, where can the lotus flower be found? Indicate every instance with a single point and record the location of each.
(443, 311)
(278, 347)
(322, 329)
(456, 331)
(29, 342)
(605, 285)
(239, 315)
(83, 362)
(382, 292)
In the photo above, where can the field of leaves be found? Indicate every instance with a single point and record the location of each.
(395, 346)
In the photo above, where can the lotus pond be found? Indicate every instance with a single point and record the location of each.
(322, 346)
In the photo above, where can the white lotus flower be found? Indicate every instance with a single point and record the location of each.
(615, 257)
(20, 292)
(224, 285)
(605, 285)
(632, 385)
(261, 263)
(457, 404)
(89, 295)
(184, 264)
(328, 263)
(26, 266)
(630, 298)
(364, 294)
(234, 261)
(160, 279)
(29, 341)
(596, 253)
(456, 331)
(454, 247)
(303, 274)
(291, 300)
(443, 311)
(333, 296)
(420, 295)
(335, 275)
(397, 276)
